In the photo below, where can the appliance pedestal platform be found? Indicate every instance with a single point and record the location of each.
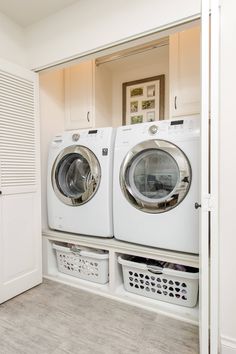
(114, 289)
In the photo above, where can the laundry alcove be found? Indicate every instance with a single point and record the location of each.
(88, 94)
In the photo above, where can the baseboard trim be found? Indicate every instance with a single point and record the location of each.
(228, 345)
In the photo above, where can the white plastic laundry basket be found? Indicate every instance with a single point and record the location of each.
(83, 263)
(175, 286)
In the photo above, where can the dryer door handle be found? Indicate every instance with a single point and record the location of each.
(197, 205)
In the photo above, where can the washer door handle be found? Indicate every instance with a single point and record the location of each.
(185, 179)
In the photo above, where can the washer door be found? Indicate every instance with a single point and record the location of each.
(155, 176)
(76, 175)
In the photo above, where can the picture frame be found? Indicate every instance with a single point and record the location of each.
(143, 100)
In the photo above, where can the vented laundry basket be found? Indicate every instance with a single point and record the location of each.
(83, 263)
(143, 277)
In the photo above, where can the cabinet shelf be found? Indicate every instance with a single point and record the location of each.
(187, 259)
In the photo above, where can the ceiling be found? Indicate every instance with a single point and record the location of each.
(26, 12)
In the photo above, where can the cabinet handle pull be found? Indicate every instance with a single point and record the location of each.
(88, 119)
(175, 102)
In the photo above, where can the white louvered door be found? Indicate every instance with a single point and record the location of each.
(20, 211)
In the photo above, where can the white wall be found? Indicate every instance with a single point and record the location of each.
(139, 66)
(12, 42)
(228, 178)
(90, 24)
(103, 96)
(52, 122)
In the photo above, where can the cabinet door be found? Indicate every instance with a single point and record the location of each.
(79, 96)
(20, 210)
(185, 72)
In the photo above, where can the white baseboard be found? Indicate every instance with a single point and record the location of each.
(228, 345)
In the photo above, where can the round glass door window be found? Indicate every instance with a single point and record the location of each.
(155, 176)
(76, 175)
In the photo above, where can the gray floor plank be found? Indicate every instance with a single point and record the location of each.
(53, 318)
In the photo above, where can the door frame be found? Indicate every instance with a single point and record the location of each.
(214, 176)
(209, 259)
(209, 272)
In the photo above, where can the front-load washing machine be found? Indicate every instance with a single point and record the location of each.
(79, 192)
(156, 184)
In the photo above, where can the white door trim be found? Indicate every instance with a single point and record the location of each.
(204, 215)
(214, 178)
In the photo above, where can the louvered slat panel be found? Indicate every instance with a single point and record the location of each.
(16, 135)
(15, 82)
(14, 107)
(25, 116)
(18, 127)
(9, 92)
(17, 132)
(12, 143)
(18, 104)
(19, 121)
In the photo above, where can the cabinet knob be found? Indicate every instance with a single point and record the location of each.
(88, 119)
(175, 103)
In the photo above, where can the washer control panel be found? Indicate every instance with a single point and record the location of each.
(86, 135)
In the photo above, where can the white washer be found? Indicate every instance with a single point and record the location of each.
(80, 182)
(156, 184)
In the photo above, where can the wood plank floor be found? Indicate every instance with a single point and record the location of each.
(53, 318)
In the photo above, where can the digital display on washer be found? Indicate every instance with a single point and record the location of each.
(93, 131)
(177, 122)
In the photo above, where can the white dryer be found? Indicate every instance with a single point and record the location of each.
(79, 192)
(156, 184)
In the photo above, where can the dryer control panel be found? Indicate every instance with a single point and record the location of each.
(187, 127)
(184, 126)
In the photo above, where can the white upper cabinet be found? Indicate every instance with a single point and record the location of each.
(79, 96)
(184, 54)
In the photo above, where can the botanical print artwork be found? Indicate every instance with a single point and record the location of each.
(151, 116)
(138, 91)
(133, 106)
(148, 104)
(151, 91)
(136, 119)
(143, 100)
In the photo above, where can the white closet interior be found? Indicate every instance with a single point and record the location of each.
(89, 94)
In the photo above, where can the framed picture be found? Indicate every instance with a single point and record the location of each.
(143, 100)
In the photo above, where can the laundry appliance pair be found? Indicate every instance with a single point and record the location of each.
(153, 180)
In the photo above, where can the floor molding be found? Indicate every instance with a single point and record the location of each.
(228, 345)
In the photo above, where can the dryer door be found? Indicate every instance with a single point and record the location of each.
(155, 176)
(76, 175)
